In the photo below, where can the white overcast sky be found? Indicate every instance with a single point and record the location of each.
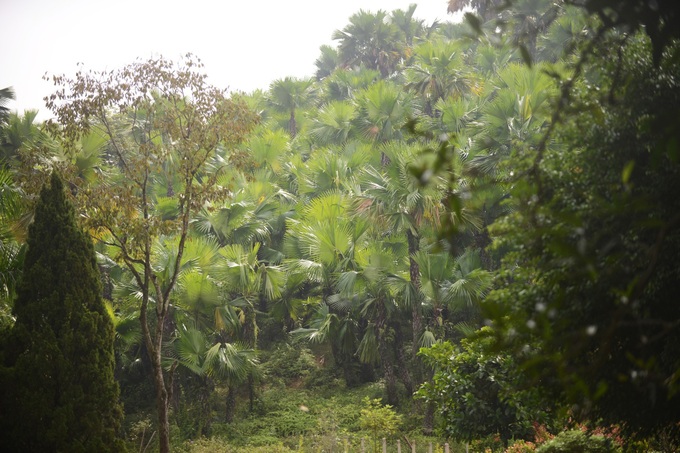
(244, 44)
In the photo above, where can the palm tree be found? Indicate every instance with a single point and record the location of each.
(487, 9)
(327, 62)
(11, 250)
(250, 283)
(515, 117)
(410, 28)
(528, 18)
(288, 95)
(247, 280)
(20, 132)
(403, 206)
(321, 245)
(562, 35)
(332, 169)
(268, 149)
(209, 360)
(372, 284)
(438, 71)
(370, 40)
(453, 286)
(344, 83)
(333, 124)
(6, 95)
(384, 109)
(490, 59)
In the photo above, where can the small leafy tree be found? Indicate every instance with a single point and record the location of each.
(57, 363)
(479, 394)
(168, 134)
(379, 419)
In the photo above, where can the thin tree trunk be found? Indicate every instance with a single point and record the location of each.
(154, 348)
(161, 404)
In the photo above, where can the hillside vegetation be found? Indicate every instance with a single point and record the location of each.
(453, 232)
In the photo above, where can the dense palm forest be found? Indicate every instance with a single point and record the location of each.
(453, 232)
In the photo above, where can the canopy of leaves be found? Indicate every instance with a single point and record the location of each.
(478, 394)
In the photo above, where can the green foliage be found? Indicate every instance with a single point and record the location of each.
(380, 420)
(164, 131)
(590, 280)
(290, 363)
(214, 444)
(480, 394)
(577, 441)
(58, 359)
(326, 222)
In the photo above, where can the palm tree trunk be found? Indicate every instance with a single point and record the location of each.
(402, 363)
(250, 337)
(292, 124)
(251, 392)
(414, 273)
(231, 404)
(385, 358)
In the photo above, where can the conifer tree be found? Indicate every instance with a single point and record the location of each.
(59, 392)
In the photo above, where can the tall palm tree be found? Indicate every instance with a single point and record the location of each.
(410, 28)
(403, 206)
(370, 40)
(528, 18)
(321, 245)
(515, 117)
(20, 132)
(6, 95)
(344, 83)
(247, 280)
(332, 169)
(333, 125)
(437, 72)
(487, 9)
(249, 283)
(384, 110)
(372, 284)
(327, 62)
(453, 288)
(562, 35)
(289, 94)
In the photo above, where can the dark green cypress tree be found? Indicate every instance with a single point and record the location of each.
(59, 392)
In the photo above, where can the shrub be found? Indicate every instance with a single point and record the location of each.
(288, 362)
(576, 441)
(521, 446)
(292, 422)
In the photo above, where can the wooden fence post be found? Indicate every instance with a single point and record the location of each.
(347, 446)
(363, 446)
(398, 446)
(413, 446)
(430, 450)
(384, 445)
(446, 448)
